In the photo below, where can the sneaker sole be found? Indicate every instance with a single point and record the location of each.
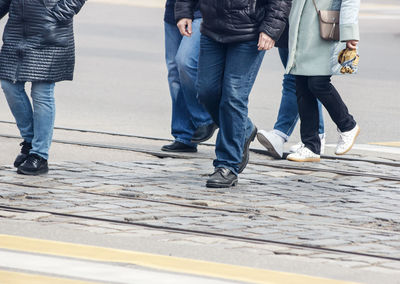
(247, 149)
(352, 144)
(41, 172)
(304, 160)
(219, 185)
(265, 142)
(179, 151)
(206, 138)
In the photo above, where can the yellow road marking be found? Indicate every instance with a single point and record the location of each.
(390, 144)
(166, 263)
(9, 277)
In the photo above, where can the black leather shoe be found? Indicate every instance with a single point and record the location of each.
(222, 178)
(178, 147)
(203, 133)
(26, 147)
(246, 150)
(34, 165)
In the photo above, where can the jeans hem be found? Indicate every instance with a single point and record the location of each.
(235, 172)
(186, 142)
(281, 134)
(197, 125)
(46, 157)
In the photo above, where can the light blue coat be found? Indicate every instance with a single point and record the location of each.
(309, 54)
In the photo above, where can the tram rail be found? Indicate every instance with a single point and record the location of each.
(250, 211)
(286, 166)
(202, 233)
(263, 152)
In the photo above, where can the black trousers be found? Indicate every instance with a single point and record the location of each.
(308, 90)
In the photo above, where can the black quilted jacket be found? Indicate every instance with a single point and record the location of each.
(229, 21)
(38, 40)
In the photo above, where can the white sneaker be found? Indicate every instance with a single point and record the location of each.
(346, 140)
(304, 155)
(297, 146)
(272, 141)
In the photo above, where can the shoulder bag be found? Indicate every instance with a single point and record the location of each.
(328, 24)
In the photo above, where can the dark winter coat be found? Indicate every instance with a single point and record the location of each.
(38, 40)
(169, 15)
(229, 21)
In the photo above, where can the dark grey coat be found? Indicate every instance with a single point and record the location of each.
(38, 40)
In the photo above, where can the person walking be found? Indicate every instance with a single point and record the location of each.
(38, 47)
(190, 123)
(235, 35)
(288, 114)
(313, 60)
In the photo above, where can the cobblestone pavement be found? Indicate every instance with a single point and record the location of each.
(313, 208)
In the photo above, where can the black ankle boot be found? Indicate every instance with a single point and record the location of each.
(26, 147)
(203, 133)
(34, 165)
(177, 146)
(221, 178)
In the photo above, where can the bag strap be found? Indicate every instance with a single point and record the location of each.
(315, 5)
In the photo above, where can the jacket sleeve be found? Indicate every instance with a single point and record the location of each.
(185, 9)
(276, 18)
(349, 29)
(4, 7)
(65, 10)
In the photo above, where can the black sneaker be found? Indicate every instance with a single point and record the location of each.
(178, 147)
(221, 178)
(203, 133)
(246, 150)
(34, 165)
(26, 147)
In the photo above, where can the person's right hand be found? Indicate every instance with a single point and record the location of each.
(185, 26)
(351, 44)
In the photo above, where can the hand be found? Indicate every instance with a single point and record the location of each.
(351, 44)
(185, 27)
(265, 42)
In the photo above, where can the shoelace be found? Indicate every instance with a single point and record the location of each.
(223, 171)
(303, 150)
(33, 159)
(345, 137)
(26, 147)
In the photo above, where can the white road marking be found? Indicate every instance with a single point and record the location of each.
(94, 271)
(373, 148)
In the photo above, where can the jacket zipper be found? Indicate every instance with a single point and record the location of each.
(220, 8)
(22, 43)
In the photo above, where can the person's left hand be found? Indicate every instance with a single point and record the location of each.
(351, 44)
(265, 42)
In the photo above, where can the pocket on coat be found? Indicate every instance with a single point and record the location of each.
(55, 33)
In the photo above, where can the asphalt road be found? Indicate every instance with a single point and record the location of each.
(120, 80)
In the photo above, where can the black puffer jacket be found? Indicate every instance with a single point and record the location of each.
(38, 40)
(229, 21)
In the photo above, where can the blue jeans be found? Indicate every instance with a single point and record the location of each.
(181, 54)
(226, 76)
(288, 111)
(35, 124)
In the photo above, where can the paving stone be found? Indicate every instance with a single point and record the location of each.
(7, 214)
(303, 207)
(33, 216)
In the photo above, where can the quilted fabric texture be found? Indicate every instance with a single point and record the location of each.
(38, 40)
(228, 21)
